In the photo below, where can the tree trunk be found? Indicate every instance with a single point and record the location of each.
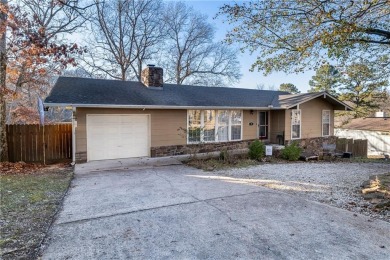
(3, 77)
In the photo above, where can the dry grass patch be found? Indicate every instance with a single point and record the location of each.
(30, 198)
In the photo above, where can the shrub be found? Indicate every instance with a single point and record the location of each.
(292, 152)
(256, 150)
(224, 155)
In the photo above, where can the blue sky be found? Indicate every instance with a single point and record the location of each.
(249, 79)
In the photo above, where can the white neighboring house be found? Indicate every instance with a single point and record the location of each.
(375, 129)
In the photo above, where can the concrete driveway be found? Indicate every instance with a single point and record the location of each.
(144, 211)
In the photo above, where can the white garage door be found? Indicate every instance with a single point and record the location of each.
(117, 136)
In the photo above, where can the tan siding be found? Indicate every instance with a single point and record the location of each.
(277, 124)
(164, 125)
(311, 119)
(249, 131)
(287, 127)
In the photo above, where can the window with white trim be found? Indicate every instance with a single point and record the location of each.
(236, 123)
(223, 125)
(209, 125)
(194, 126)
(295, 124)
(325, 122)
(214, 125)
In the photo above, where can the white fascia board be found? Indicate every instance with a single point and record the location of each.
(316, 96)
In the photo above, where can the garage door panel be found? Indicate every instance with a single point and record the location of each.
(117, 136)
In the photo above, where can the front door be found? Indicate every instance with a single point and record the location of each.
(263, 125)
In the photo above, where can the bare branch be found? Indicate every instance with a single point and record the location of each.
(191, 55)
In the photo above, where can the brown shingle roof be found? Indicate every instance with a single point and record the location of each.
(369, 123)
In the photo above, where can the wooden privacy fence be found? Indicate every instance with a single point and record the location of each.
(358, 147)
(26, 143)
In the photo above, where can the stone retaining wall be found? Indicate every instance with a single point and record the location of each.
(313, 145)
(198, 148)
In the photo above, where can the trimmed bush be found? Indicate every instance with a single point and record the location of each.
(256, 150)
(292, 152)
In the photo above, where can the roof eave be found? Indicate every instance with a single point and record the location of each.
(156, 106)
(325, 94)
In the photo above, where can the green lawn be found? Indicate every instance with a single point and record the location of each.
(27, 207)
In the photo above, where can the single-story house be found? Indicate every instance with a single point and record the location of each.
(375, 129)
(120, 119)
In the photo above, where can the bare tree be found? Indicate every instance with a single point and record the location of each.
(29, 43)
(191, 56)
(39, 32)
(3, 77)
(125, 34)
(260, 86)
(37, 49)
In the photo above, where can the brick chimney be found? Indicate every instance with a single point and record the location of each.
(152, 76)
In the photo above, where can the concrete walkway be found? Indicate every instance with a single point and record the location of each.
(177, 212)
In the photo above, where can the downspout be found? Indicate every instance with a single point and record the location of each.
(74, 125)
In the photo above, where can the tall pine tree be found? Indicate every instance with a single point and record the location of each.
(326, 79)
(289, 87)
(364, 86)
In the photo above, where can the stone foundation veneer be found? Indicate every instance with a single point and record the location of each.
(313, 145)
(81, 157)
(198, 148)
(172, 150)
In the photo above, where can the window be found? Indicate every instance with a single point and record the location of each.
(295, 124)
(223, 125)
(194, 125)
(209, 125)
(325, 122)
(236, 125)
(214, 125)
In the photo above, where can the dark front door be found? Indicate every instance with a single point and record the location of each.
(263, 124)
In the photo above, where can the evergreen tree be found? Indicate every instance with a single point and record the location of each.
(365, 86)
(326, 79)
(289, 87)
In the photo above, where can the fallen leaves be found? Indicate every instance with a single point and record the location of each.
(19, 168)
